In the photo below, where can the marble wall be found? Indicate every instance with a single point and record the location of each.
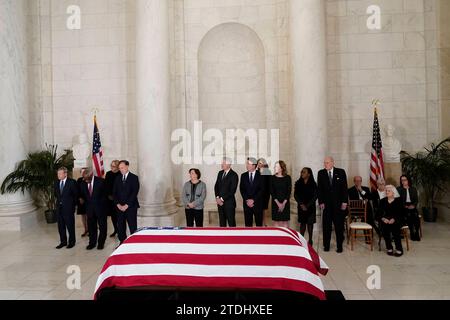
(405, 64)
(390, 64)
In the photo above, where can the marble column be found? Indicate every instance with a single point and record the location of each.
(153, 112)
(15, 209)
(309, 69)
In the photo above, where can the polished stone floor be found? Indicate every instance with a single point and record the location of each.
(30, 267)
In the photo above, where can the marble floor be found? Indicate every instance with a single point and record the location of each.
(30, 267)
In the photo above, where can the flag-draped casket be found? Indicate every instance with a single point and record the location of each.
(215, 258)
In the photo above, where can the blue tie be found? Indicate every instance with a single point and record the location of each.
(61, 188)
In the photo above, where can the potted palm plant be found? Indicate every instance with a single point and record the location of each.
(430, 169)
(37, 174)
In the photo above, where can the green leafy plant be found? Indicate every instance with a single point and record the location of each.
(430, 170)
(37, 174)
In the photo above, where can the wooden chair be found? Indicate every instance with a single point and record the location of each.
(403, 232)
(356, 221)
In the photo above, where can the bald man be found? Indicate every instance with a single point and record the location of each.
(333, 201)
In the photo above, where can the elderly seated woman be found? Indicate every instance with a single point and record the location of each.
(391, 211)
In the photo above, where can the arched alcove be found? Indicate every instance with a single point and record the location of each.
(232, 87)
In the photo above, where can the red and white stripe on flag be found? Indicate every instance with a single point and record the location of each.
(215, 258)
(376, 159)
(97, 152)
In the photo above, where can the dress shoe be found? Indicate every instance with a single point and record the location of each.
(85, 234)
(90, 247)
(60, 246)
(398, 253)
(70, 246)
(100, 247)
(326, 249)
(113, 234)
(339, 250)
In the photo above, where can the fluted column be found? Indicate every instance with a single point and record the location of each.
(308, 52)
(13, 109)
(153, 125)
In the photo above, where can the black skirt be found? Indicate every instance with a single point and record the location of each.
(307, 217)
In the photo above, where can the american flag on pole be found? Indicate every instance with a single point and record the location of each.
(376, 161)
(97, 152)
(215, 258)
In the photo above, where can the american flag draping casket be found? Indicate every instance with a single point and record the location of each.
(215, 258)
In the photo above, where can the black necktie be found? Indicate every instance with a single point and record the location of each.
(224, 175)
(124, 179)
(330, 177)
(251, 177)
(61, 188)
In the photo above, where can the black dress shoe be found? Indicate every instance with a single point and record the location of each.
(326, 249)
(100, 247)
(113, 234)
(85, 234)
(90, 247)
(61, 246)
(70, 246)
(339, 250)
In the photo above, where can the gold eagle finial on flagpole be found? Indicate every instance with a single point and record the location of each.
(375, 103)
(95, 110)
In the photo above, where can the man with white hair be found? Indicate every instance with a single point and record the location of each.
(333, 200)
(225, 190)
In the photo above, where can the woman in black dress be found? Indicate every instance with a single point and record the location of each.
(391, 210)
(81, 207)
(305, 193)
(280, 190)
(264, 170)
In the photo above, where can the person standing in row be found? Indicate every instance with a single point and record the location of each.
(265, 173)
(225, 190)
(305, 193)
(251, 188)
(280, 190)
(333, 201)
(67, 195)
(93, 191)
(193, 198)
(81, 206)
(110, 179)
(125, 193)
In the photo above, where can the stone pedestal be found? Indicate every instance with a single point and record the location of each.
(392, 173)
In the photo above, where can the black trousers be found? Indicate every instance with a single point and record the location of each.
(337, 217)
(112, 212)
(413, 221)
(192, 216)
(123, 218)
(97, 222)
(66, 222)
(255, 212)
(227, 214)
(394, 229)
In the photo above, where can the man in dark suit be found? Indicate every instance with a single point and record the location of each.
(333, 200)
(225, 189)
(251, 187)
(93, 192)
(66, 193)
(110, 179)
(360, 192)
(125, 192)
